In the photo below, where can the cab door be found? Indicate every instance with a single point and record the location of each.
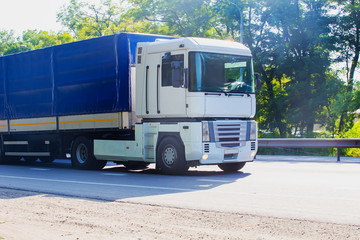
(171, 85)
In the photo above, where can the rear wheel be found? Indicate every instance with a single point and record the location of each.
(170, 156)
(82, 155)
(231, 167)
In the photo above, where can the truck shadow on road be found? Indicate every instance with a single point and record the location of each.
(113, 183)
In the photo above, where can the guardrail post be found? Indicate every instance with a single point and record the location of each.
(338, 154)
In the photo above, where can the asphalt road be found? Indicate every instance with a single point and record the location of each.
(311, 188)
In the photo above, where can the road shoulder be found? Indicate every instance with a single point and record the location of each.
(29, 215)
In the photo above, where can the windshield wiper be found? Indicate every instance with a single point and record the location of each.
(213, 94)
(234, 94)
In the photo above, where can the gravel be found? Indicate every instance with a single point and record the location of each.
(29, 215)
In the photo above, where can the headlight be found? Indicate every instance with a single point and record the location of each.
(205, 132)
(253, 131)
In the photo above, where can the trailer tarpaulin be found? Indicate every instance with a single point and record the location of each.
(84, 77)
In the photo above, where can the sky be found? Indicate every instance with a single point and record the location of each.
(21, 15)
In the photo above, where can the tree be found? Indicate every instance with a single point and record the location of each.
(182, 18)
(6, 40)
(33, 39)
(346, 31)
(87, 20)
(292, 41)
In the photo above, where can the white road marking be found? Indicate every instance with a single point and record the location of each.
(214, 180)
(40, 169)
(98, 183)
(114, 174)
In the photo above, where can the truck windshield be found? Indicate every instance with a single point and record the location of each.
(212, 72)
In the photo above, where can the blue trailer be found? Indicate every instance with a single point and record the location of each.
(91, 76)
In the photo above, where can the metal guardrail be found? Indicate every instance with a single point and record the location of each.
(310, 143)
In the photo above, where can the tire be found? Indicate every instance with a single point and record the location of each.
(134, 165)
(170, 156)
(82, 155)
(231, 167)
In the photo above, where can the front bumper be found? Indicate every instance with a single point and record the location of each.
(213, 154)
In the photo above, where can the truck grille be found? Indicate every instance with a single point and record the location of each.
(229, 134)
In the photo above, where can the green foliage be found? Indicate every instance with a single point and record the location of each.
(6, 40)
(32, 39)
(354, 132)
(182, 18)
(86, 20)
(347, 36)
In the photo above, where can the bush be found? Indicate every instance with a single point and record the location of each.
(354, 132)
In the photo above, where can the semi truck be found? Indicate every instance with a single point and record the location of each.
(134, 99)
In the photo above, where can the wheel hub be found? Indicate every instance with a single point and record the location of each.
(82, 153)
(169, 155)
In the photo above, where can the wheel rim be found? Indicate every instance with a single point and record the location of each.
(82, 153)
(169, 155)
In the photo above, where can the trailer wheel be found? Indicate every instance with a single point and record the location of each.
(82, 155)
(170, 156)
(231, 167)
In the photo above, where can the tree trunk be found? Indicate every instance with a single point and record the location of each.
(355, 59)
(341, 122)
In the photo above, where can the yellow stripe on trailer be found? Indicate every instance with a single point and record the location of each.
(30, 124)
(86, 121)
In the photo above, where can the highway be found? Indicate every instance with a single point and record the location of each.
(309, 188)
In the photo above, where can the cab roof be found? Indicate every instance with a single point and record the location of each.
(198, 45)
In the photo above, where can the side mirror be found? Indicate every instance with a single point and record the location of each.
(177, 79)
(258, 82)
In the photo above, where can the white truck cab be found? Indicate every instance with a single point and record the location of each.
(194, 100)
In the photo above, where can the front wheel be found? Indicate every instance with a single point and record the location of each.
(170, 156)
(231, 167)
(82, 155)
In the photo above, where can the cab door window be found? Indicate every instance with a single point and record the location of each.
(167, 68)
